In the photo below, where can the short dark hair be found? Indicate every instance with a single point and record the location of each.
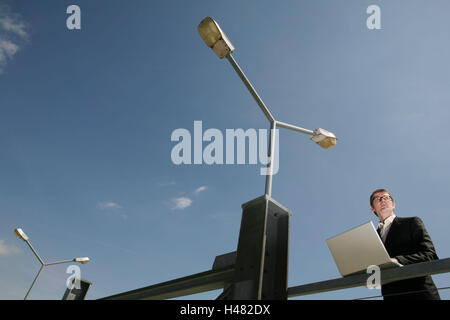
(379, 190)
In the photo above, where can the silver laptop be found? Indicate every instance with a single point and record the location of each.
(357, 249)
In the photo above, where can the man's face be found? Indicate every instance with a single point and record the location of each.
(382, 205)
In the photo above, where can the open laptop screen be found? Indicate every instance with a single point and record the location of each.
(357, 249)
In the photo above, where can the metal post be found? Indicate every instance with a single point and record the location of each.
(250, 88)
(42, 267)
(35, 253)
(269, 116)
(271, 155)
(59, 262)
(294, 128)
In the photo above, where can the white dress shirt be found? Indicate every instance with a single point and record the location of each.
(385, 226)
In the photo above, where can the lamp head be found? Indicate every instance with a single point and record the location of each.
(324, 138)
(83, 260)
(19, 233)
(214, 37)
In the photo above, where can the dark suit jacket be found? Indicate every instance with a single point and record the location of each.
(409, 242)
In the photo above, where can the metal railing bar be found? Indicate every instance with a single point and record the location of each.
(399, 294)
(387, 275)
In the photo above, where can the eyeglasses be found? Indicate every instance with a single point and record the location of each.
(379, 199)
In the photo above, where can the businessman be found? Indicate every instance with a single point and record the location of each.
(406, 241)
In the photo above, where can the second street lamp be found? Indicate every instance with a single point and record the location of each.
(21, 234)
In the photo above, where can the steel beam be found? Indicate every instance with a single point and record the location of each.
(196, 283)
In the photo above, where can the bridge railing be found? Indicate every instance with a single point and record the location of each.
(221, 276)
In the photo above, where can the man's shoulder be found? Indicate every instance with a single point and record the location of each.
(408, 220)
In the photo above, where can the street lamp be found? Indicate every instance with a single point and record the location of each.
(261, 264)
(216, 39)
(21, 234)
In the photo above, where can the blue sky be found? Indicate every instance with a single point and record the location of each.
(87, 116)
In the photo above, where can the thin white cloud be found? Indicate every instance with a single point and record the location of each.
(6, 249)
(167, 184)
(200, 189)
(112, 209)
(14, 25)
(7, 50)
(13, 33)
(108, 205)
(181, 203)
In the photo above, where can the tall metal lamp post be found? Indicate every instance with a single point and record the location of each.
(262, 255)
(19, 233)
